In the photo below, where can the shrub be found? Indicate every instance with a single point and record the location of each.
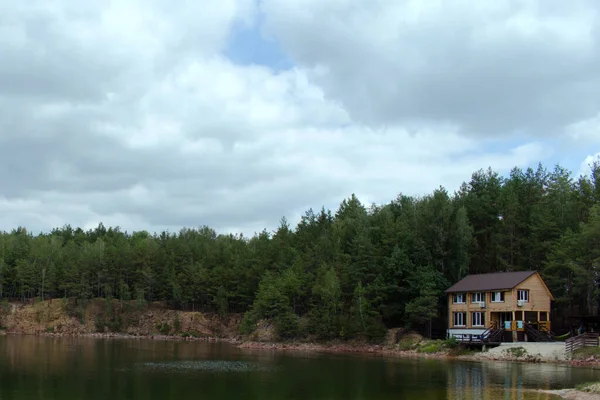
(100, 323)
(376, 331)
(517, 352)
(407, 344)
(451, 343)
(164, 328)
(591, 387)
(431, 347)
(286, 325)
(177, 323)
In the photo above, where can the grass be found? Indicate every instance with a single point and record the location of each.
(431, 347)
(586, 352)
(449, 346)
(590, 387)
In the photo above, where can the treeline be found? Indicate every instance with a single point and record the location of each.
(338, 274)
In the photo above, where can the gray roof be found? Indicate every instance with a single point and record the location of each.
(493, 281)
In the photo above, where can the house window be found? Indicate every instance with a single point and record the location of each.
(523, 295)
(478, 319)
(459, 319)
(498, 297)
(478, 297)
(459, 298)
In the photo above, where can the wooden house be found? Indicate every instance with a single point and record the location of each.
(510, 306)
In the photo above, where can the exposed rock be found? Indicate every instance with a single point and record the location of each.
(65, 318)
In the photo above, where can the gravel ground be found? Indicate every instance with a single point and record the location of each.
(542, 352)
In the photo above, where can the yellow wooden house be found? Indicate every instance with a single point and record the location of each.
(514, 305)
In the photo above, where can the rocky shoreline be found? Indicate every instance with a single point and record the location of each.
(117, 335)
(340, 348)
(383, 350)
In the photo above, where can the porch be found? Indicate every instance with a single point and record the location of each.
(522, 326)
(507, 327)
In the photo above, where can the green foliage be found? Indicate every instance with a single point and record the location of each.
(584, 353)
(325, 312)
(516, 352)
(287, 325)
(451, 343)
(4, 307)
(431, 347)
(408, 343)
(590, 387)
(110, 318)
(347, 273)
(4, 311)
(164, 328)
(177, 324)
(220, 301)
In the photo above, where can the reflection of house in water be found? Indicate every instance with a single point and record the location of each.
(467, 381)
(493, 381)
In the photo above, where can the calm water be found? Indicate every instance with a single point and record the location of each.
(48, 368)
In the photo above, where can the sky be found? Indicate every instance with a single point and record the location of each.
(160, 115)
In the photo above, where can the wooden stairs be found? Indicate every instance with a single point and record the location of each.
(536, 335)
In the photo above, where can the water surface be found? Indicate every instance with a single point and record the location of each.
(84, 368)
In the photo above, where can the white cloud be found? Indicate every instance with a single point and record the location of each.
(584, 167)
(129, 113)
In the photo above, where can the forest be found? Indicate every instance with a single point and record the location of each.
(348, 273)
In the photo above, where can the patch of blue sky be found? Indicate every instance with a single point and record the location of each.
(555, 151)
(248, 46)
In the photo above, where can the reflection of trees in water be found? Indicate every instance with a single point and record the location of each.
(55, 356)
(91, 368)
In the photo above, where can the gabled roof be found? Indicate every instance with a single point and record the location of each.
(493, 281)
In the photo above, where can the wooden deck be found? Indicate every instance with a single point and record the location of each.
(490, 336)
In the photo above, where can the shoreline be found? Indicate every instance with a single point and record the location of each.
(341, 348)
(325, 348)
(117, 335)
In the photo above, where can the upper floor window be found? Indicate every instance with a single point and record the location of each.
(459, 298)
(478, 297)
(523, 295)
(498, 297)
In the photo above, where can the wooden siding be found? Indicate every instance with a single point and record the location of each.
(539, 301)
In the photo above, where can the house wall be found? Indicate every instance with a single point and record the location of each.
(539, 301)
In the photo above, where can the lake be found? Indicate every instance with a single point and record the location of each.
(87, 368)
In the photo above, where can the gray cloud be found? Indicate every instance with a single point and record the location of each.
(489, 68)
(133, 117)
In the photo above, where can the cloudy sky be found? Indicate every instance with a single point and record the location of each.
(157, 114)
